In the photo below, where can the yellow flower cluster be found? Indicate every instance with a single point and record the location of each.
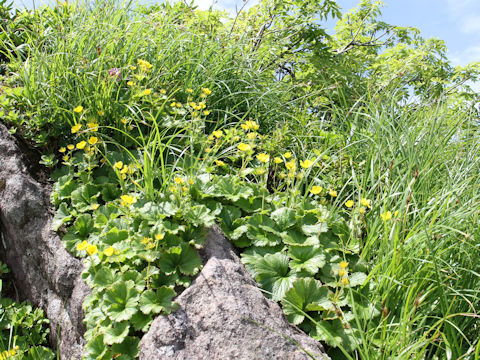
(110, 251)
(343, 272)
(90, 248)
(8, 353)
(250, 125)
(127, 200)
(124, 169)
(144, 65)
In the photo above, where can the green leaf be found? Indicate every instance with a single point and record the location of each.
(315, 230)
(62, 216)
(357, 279)
(306, 294)
(141, 322)
(84, 225)
(96, 349)
(306, 258)
(84, 196)
(199, 215)
(129, 348)
(154, 302)
(184, 258)
(110, 192)
(284, 217)
(229, 188)
(263, 231)
(116, 334)
(106, 277)
(227, 216)
(335, 334)
(274, 274)
(121, 301)
(137, 279)
(114, 236)
(295, 237)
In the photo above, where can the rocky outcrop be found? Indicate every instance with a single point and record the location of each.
(45, 273)
(223, 315)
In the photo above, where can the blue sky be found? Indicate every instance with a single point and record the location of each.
(455, 21)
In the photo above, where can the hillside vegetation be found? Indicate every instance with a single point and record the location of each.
(343, 167)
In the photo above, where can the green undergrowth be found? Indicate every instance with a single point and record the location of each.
(360, 219)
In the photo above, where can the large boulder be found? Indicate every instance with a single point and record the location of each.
(44, 272)
(224, 315)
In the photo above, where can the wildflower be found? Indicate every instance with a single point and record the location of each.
(92, 126)
(315, 190)
(362, 210)
(277, 160)
(93, 140)
(287, 155)
(100, 112)
(395, 215)
(78, 109)
(386, 215)
(123, 121)
(332, 193)
(206, 112)
(75, 128)
(62, 149)
(127, 200)
(189, 91)
(343, 264)
(262, 157)
(366, 203)
(91, 249)
(81, 145)
(345, 281)
(306, 164)
(131, 169)
(251, 136)
(146, 92)
(163, 91)
(206, 91)
(130, 83)
(71, 147)
(124, 169)
(115, 72)
(342, 273)
(201, 105)
(118, 165)
(244, 147)
(250, 125)
(207, 150)
(159, 237)
(82, 246)
(65, 157)
(144, 65)
(260, 171)
(219, 163)
(349, 203)
(291, 165)
(94, 206)
(179, 180)
(173, 104)
(217, 133)
(133, 68)
(109, 251)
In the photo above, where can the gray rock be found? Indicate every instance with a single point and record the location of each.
(223, 315)
(44, 272)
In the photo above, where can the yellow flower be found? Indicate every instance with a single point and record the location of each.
(109, 251)
(306, 164)
(217, 133)
(244, 147)
(206, 91)
(219, 163)
(366, 202)
(345, 281)
(65, 157)
(342, 273)
(343, 264)
(207, 150)
(291, 165)
(82, 246)
(118, 165)
(144, 65)
(251, 136)
(206, 112)
(173, 104)
(159, 237)
(78, 109)
(362, 210)
(62, 149)
(124, 169)
(277, 160)
(163, 91)
(127, 200)
(316, 190)
(100, 113)
(123, 121)
(262, 157)
(250, 125)
(332, 193)
(71, 147)
(75, 128)
(146, 92)
(349, 203)
(189, 91)
(202, 105)
(81, 145)
(395, 215)
(91, 249)
(95, 206)
(287, 155)
(386, 216)
(133, 68)
(93, 140)
(130, 83)
(260, 171)
(179, 180)
(92, 126)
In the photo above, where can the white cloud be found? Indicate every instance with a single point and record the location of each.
(470, 54)
(470, 24)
